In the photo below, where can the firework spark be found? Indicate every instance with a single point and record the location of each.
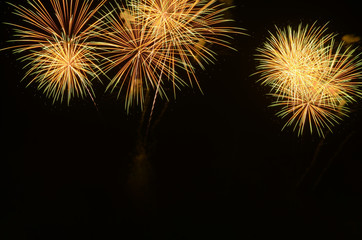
(311, 77)
(56, 46)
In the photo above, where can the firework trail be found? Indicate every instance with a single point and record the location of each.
(56, 47)
(311, 78)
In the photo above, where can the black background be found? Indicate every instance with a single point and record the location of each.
(216, 165)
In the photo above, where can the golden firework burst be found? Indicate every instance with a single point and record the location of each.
(149, 41)
(138, 57)
(56, 47)
(188, 28)
(311, 77)
(63, 67)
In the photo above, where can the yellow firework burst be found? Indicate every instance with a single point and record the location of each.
(63, 68)
(188, 28)
(138, 57)
(59, 57)
(311, 77)
(149, 41)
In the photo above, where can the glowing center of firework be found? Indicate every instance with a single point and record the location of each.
(68, 63)
(165, 14)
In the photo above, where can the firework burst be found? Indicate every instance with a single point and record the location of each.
(187, 27)
(311, 78)
(62, 68)
(149, 41)
(137, 55)
(56, 47)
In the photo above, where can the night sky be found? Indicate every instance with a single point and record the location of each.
(215, 165)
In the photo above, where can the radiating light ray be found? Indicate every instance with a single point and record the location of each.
(311, 78)
(56, 46)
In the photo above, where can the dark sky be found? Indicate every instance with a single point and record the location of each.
(215, 165)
